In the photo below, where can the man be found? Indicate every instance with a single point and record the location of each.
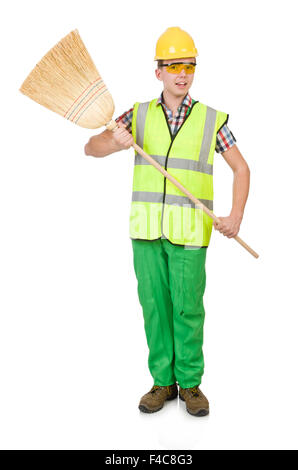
(169, 235)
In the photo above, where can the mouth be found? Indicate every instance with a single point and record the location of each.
(181, 84)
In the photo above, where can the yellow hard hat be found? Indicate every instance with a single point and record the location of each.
(175, 43)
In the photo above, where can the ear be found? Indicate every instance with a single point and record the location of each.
(158, 74)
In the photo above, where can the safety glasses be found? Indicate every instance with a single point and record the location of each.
(177, 67)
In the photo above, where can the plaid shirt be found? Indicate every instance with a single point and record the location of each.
(224, 139)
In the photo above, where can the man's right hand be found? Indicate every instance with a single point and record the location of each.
(122, 137)
(109, 142)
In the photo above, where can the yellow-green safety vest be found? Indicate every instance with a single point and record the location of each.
(159, 209)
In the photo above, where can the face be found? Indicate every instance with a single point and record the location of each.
(178, 85)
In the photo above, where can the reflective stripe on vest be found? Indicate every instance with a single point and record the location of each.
(158, 207)
(171, 198)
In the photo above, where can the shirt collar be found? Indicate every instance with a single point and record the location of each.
(186, 101)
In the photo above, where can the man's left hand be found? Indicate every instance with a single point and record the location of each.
(228, 226)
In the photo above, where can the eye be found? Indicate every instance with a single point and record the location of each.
(173, 67)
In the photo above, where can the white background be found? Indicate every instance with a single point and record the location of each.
(73, 354)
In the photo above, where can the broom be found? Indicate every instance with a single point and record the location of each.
(67, 82)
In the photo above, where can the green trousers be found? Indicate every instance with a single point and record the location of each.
(171, 285)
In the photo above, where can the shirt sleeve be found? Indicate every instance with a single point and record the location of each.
(126, 119)
(224, 139)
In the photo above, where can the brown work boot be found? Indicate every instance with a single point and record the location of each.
(155, 399)
(196, 402)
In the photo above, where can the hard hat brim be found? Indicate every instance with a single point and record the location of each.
(176, 56)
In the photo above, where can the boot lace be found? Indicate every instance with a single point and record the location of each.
(158, 387)
(194, 391)
(154, 388)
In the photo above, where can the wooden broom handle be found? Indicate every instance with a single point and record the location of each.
(198, 203)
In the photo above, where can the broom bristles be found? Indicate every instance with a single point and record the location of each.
(67, 82)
